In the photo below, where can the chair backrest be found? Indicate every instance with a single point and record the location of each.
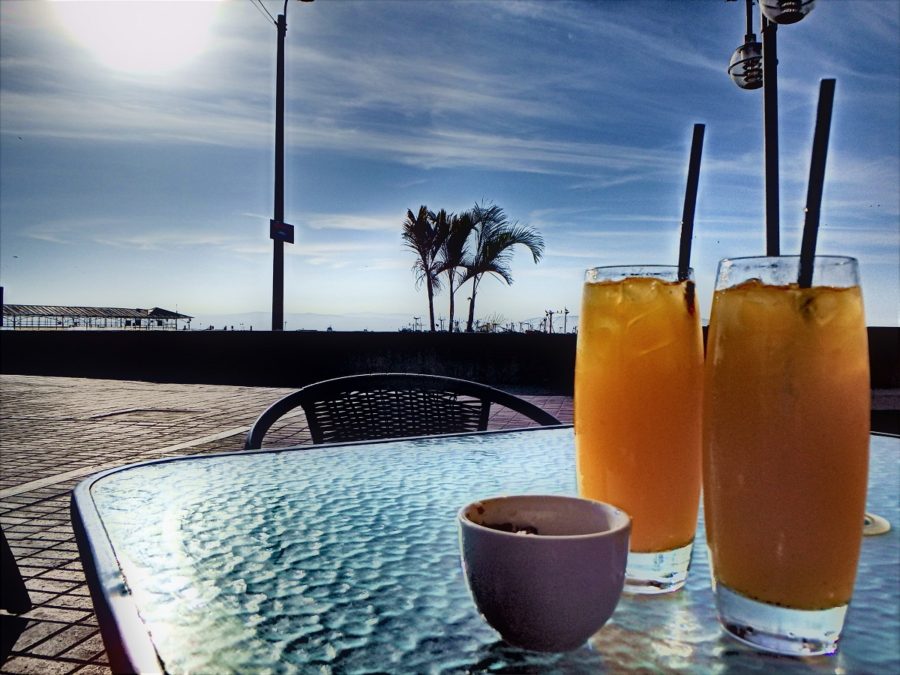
(392, 405)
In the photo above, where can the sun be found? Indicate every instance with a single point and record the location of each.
(138, 36)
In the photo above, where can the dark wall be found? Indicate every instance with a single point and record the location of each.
(291, 359)
(884, 357)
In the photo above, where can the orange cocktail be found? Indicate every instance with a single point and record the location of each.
(786, 426)
(638, 379)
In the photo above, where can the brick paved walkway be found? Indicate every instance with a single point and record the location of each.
(54, 432)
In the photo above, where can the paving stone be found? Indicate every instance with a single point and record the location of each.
(64, 528)
(72, 601)
(38, 598)
(24, 543)
(27, 571)
(54, 554)
(66, 546)
(88, 649)
(49, 585)
(94, 669)
(8, 521)
(43, 534)
(35, 632)
(62, 641)
(64, 575)
(27, 665)
(56, 614)
(36, 558)
(21, 531)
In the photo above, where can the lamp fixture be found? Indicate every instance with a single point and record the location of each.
(746, 65)
(746, 68)
(786, 11)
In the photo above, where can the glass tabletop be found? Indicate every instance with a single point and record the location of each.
(345, 559)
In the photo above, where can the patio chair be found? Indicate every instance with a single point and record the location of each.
(13, 592)
(392, 405)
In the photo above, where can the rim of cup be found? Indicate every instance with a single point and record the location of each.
(618, 519)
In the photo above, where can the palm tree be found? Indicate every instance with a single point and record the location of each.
(494, 238)
(424, 234)
(453, 254)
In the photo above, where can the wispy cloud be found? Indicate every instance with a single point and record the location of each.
(431, 112)
(347, 221)
(125, 233)
(575, 116)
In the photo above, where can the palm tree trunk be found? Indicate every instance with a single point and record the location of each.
(452, 291)
(472, 306)
(430, 303)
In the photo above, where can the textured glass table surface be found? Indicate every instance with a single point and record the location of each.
(345, 559)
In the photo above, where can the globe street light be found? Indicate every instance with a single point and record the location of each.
(753, 66)
(786, 11)
(745, 67)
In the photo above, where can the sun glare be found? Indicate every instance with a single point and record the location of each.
(138, 36)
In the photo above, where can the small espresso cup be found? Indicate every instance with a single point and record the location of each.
(546, 572)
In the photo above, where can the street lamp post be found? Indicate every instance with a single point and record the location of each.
(278, 211)
(279, 231)
(770, 126)
(753, 66)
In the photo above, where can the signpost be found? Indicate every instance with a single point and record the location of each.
(278, 221)
(281, 231)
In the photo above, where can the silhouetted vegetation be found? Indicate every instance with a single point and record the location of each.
(463, 247)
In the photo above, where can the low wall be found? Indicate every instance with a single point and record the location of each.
(291, 359)
(884, 357)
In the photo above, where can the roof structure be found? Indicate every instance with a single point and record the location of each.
(54, 316)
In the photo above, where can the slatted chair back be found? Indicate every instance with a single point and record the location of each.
(392, 405)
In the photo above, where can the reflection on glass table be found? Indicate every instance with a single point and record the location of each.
(345, 559)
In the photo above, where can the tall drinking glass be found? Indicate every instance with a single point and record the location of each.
(786, 432)
(638, 379)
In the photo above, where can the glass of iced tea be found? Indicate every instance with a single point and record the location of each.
(786, 437)
(638, 400)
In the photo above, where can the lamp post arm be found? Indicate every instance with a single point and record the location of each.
(749, 31)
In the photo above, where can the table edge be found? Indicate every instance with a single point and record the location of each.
(129, 646)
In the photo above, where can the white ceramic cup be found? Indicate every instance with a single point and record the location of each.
(546, 572)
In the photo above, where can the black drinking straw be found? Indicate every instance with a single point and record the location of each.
(690, 202)
(816, 183)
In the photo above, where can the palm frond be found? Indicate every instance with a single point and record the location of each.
(415, 233)
(526, 236)
(496, 237)
(501, 270)
(454, 247)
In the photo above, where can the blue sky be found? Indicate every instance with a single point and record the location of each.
(144, 178)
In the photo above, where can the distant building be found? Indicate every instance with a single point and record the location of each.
(49, 317)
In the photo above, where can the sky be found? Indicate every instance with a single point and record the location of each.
(137, 148)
